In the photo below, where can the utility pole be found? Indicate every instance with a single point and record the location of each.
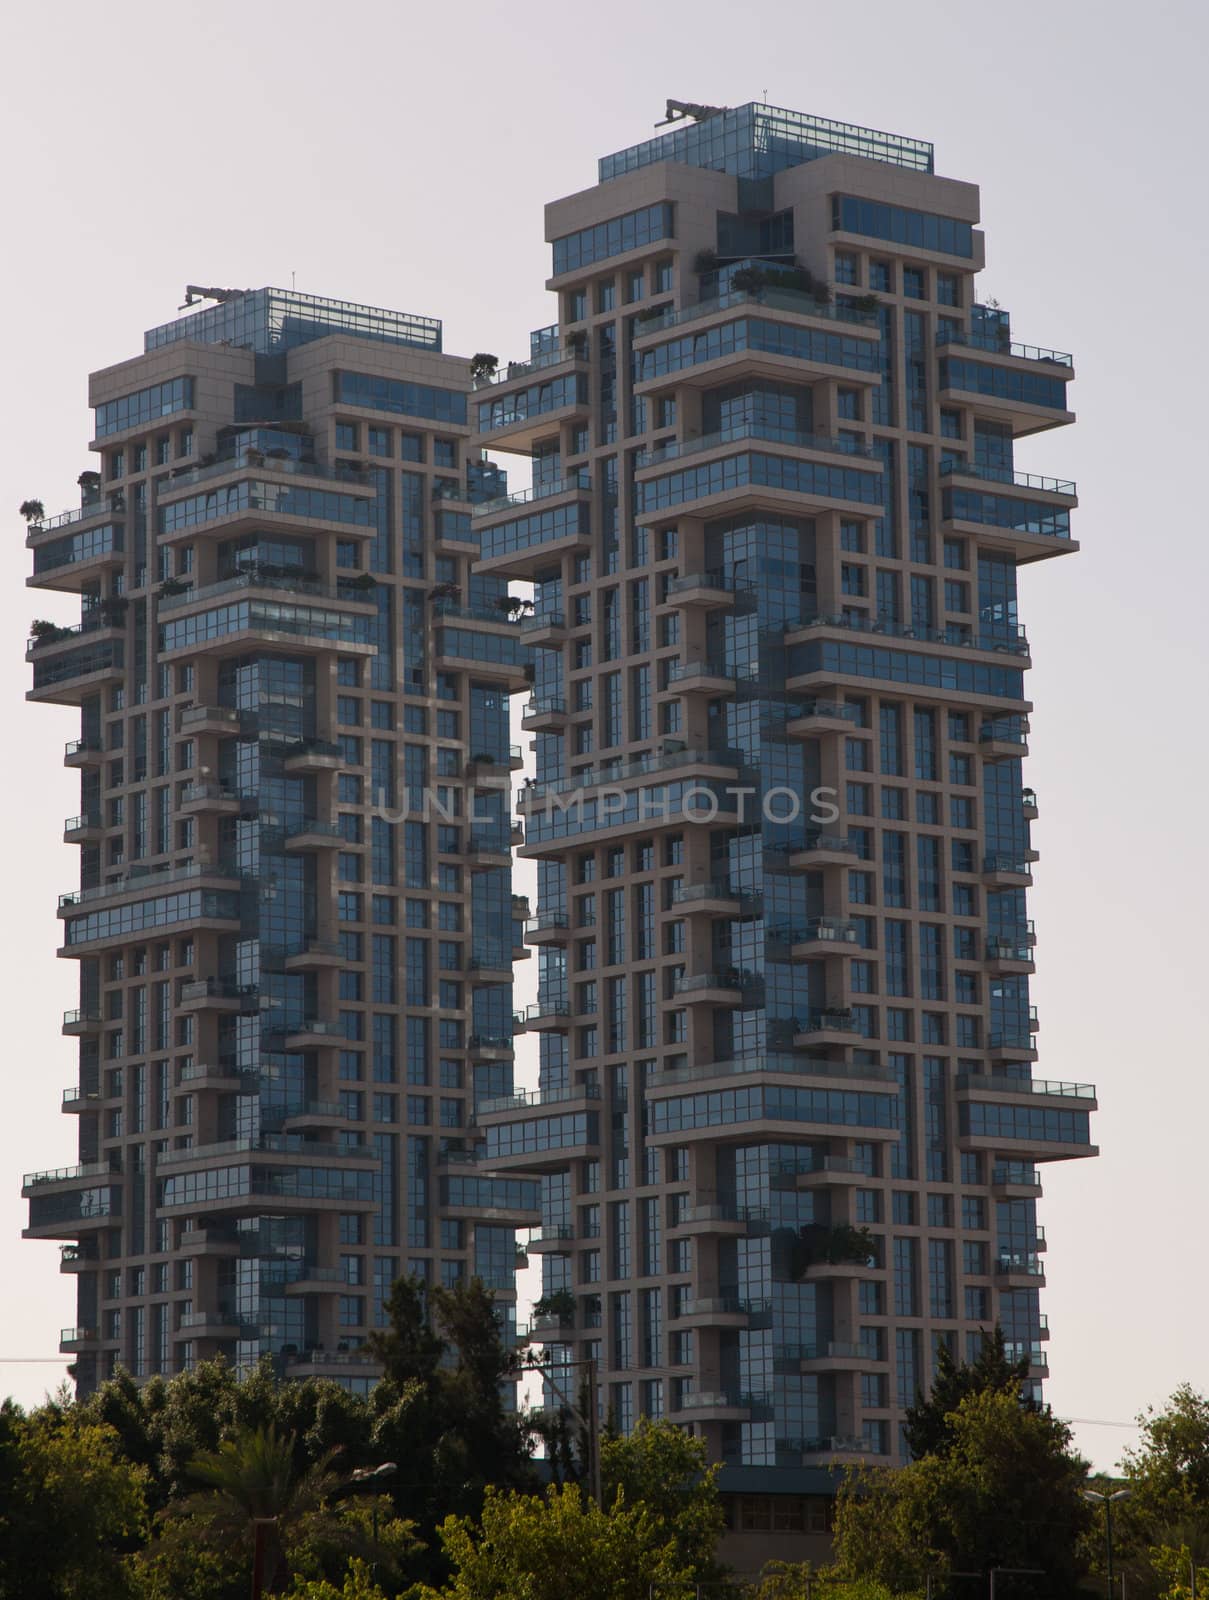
(588, 1421)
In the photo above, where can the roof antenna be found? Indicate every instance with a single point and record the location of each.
(194, 292)
(679, 110)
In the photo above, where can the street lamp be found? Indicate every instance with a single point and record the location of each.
(1107, 1501)
(370, 1475)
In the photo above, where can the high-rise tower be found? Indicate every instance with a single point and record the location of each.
(295, 925)
(787, 1129)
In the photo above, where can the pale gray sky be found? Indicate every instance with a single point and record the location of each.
(401, 155)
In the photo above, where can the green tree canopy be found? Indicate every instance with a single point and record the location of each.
(1005, 1492)
(560, 1545)
(71, 1507)
(928, 1430)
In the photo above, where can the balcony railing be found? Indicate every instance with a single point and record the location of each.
(1019, 1173)
(521, 1099)
(576, 482)
(1002, 1083)
(511, 370)
(85, 1171)
(773, 299)
(1016, 480)
(769, 432)
(150, 878)
(596, 777)
(1011, 639)
(1001, 346)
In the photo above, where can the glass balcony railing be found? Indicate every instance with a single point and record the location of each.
(509, 370)
(1020, 1173)
(597, 777)
(1003, 345)
(1002, 1083)
(1004, 637)
(676, 449)
(774, 299)
(1007, 475)
(574, 482)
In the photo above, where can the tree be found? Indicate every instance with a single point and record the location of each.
(1007, 1491)
(255, 1506)
(358, 1585)
(929, 1425)
(1164, 1524)
(786, 1580)
(31, 510)
(549, 1547)
(440, 1408)
(660, 1468)
(483, 365)
(70, 1508)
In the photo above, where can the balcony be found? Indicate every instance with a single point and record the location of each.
(713, 900)
(74, 1340)
(767, 432)
(1028, 805)
(544, 1016)
(485, 1047)
(548, 927)
(491, 852)
(1001, 870)
(77, 1099)
(995, 342)
(488, 771)
(702, 591)
(838, 1355)
(826, 1172)
(750, 479)
(316, 1280)
(829, 1025)
(825, 936)
(216, 1324)
(996, 379)
(59, 1179)
(708, 1405)
(531, 400)
(994, 639)
(818, 717)
(271, 1149)
(313, 755)
(999, 741)
(524, 1100)
(314, 1033)
(553, 1239)
(1015, 1180)
(764, 297)
(219, 994)
(210, 719)
(817, 1071)
(79, 1023)
(559, 489)
(820, 1452)
(485, 974)
(70, 561)
(813, 854)
(223, 1076)
(1011, 952)
(712, 988)
(700, 677)
(68, 677)
(83, 753)
(320, 1363)
(719, 1218)
(316, 956)
(1019, 1269)
(1002, 1085)
(544, 714)
(312, 833)
(723, 1311)
(78, 1258)
(544, 629)
(250, 503)
(1030, 526)
(210, 1241)
(214, 798)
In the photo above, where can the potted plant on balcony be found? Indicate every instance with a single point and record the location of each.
(32, 510)
(705, 261)
(173, 586)
(483, 366)
(558, 1303)
(43, 632)
(836, 1244)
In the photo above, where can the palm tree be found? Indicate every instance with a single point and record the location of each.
(257, 1498)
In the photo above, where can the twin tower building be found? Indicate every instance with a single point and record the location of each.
(757, 617)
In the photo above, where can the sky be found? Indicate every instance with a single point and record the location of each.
(400, 155)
